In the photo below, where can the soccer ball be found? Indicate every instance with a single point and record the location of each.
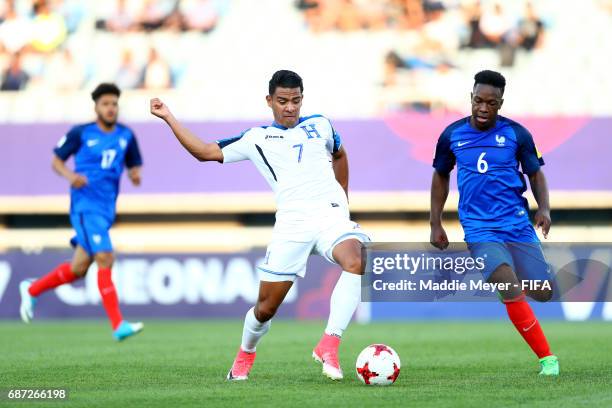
(378, 364)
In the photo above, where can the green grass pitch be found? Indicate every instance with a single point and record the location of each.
(184, 363)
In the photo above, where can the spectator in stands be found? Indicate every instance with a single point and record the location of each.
(375, 14)
(129, 75)
(154, 13)
(347, 16)
(473, 14)
(15, 31)
(199, 15)
(4, 7)
(496, 25)
(414, 14)
(121, 20)
(48, 28)
(72, 11)
(530, 29)
(394, 13)
(327, 15)
(312, 13)
(156, 74)
(351, 15)
(500, 31)
(441, 32)
(15, 78)
(393, 62)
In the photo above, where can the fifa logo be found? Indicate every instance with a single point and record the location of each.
(500, 140)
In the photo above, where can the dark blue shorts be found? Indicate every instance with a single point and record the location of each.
(91, 232)
(517, 246)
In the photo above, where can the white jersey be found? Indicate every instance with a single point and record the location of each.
(296, 162)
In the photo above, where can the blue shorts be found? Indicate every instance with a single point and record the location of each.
(517, 246)
(91, 232)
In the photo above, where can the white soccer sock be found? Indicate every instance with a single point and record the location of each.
(344, 301)
(253, 331)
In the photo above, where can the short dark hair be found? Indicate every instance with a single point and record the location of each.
(492, 78)
(285, 79)
(103, 89)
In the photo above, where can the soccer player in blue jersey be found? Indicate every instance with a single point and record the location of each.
(101, 150)
(490, 152)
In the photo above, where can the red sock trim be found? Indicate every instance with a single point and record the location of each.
(60, 275)
(110, 301)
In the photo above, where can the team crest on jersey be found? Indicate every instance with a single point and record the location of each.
(501, 140)
(123, 143)
(311, 131)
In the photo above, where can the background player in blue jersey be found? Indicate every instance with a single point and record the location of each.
(490, 152)
(101, 150)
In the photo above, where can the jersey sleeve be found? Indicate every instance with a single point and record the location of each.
(235, 148)
(527, 154)
(133, 157)
(336, 142)
(444, 158)
(69, 144)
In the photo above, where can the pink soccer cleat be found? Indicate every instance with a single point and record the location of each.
(326, 352)
(241, 367)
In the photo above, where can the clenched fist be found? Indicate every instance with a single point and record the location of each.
(77, 180)
(159, 109)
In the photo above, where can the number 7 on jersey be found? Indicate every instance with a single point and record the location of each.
(301, 146)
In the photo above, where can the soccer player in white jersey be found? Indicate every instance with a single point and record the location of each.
(304, 162)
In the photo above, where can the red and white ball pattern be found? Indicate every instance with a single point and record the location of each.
(378, 364)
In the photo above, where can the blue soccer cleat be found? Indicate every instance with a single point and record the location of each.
(26, 310)
(127, 329)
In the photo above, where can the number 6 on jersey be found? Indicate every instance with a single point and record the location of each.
(482, 165)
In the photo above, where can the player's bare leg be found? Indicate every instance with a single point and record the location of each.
(524, 320)
(541, 294)
(121, 329)
(256, 324)
(66, 272)
(344, 301)
(80, 262)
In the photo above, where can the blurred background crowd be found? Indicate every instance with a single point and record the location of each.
(38, 40)
(399, 54)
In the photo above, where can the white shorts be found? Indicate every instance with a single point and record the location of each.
(293, 242)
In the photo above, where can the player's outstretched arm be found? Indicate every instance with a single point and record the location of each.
(439, 194)
(341, 170)
(76, 180)
(539, 188)
(195, 146)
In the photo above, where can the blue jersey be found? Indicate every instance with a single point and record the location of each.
(100, 156)
(489, 177)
